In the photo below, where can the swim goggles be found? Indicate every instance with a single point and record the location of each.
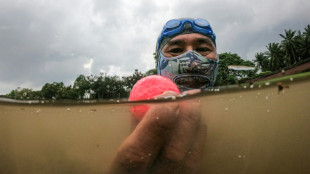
(176, 26)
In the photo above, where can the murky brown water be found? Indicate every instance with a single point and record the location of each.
(252, 131)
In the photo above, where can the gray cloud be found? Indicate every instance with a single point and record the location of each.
(49, 41)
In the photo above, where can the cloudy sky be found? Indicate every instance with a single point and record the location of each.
(55, 41)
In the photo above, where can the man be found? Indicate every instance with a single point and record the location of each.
(170, 138)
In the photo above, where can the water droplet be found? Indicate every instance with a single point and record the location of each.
(157, 118)
(142, 157)
(259, 86)
(149, 154)
(267, 98)
(244, 87)
(258, 93)
(267, 83)
(268, 110)
(68, 109)
(117, 101)
(113, 110)
(240, 96)
(226, 109)
(239, 156)
(190, 152)
(252, 86)
(291, 79)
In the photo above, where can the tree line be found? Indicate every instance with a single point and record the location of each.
(103, 86)
(293, 49)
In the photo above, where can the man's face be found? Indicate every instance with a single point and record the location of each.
(190, 42)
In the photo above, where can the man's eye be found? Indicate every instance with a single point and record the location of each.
(203, 49)
(176, 50)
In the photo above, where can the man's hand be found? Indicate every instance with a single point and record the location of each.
(169, 139)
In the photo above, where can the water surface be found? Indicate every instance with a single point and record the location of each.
(255, 130)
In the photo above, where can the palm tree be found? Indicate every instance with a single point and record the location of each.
(275, 55)
(261, 60)
(289, 47)
(306, 34)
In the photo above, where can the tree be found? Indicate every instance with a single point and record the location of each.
(262, 61)
(227, 76)
(289, 47)
(302, 41)
(151, 72)
(130, 81)
(275, 55)
(306, 34)
(54, 90)
(81, 86)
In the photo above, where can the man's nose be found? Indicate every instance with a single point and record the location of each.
(188, 48)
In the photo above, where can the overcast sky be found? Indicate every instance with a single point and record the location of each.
(55, 41)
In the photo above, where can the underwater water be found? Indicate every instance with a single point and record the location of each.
(254, 130)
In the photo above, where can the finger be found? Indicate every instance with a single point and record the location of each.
(191, 92)
(195, 154)
(176, 149)
(138, 151)
(166, 94)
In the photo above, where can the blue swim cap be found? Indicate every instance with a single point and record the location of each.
(176, 27)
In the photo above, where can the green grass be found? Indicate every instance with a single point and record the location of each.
(284, 78)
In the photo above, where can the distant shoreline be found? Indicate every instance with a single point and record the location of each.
(303, 67)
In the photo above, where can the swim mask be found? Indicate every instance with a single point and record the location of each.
(189, 70)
